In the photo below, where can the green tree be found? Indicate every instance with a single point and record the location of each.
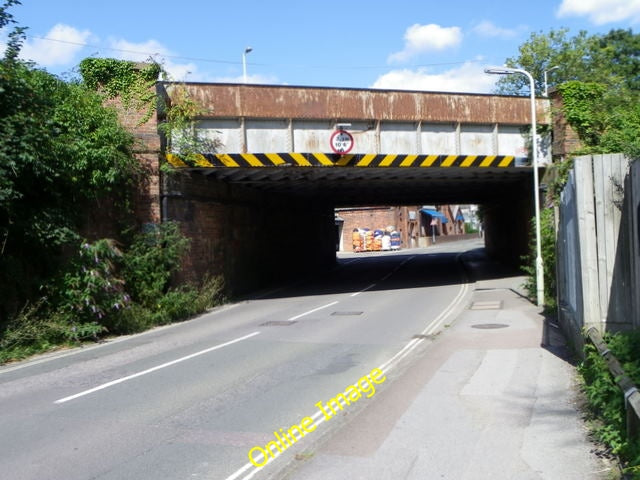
(16, 35)
(60, 149)
(612, 59)
(543, 51)
(599, 79)
(620, 49)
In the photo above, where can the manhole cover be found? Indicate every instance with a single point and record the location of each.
(490, 305)
(346, 314)
(278, 323)
(489, 326)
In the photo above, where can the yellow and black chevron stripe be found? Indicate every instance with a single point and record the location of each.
(237, 160)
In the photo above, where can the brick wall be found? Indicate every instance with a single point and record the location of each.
(106, 218)
(565, 139)
(147, 147)
(372, 218)
(375, 218)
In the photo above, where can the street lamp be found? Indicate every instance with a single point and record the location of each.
(546, 86)
(244, 63)
(536, 193)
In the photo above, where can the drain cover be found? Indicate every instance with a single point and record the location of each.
(489, 326)
(346, 314)
(278, 323)
(491, 305)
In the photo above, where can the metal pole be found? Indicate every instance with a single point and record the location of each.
(536, 193)
(546, 84)
(244, 63)
(536, 189)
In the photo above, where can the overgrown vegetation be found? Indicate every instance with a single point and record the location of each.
(606, 401)
(108, 291)
(607, 120)
(598, 77)
(61, 152)
(184, 140)
(548, 248)
(132, 83)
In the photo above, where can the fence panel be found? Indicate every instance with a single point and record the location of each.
(587, 238)
(610, 174)
(599, 245)
(634, 213)
(568, 272)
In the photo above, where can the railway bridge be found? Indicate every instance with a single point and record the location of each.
(260, 202)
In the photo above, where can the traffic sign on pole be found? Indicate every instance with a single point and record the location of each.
(341, 142)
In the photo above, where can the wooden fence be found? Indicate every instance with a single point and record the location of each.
(598, 246)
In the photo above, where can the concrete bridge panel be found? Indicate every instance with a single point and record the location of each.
(267, 135)
(365, 137)
(510, 139)
(477, 140)
(399, 137)
(228, 131)
(372, 137)
(310, 136)
(439, 137)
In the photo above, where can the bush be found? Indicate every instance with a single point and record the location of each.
(133, 319)
(606, 401)
(91, 289)
(468, 228)
(150, 261)
(106, 290)
(210, 294)
(36, 329)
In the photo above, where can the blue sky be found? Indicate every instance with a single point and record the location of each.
(398, 44)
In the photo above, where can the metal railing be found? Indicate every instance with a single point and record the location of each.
(626, 385)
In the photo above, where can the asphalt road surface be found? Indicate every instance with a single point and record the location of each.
(193, 400)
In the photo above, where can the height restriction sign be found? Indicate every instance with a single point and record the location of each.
(341, 142)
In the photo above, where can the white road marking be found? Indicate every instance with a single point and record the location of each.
(314, 310)
(363, 290)
(260, 456)
(385, 277)
(431, 328)
(56, 355)
(385, 367)
(153, 369)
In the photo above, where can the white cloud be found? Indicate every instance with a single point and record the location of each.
(58, 47)
(489, 29)
(602, 11)
(425, 38)
(469, 77)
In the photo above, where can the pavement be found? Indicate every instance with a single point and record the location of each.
(493, 396)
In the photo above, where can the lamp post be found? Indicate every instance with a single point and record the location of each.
(536, 192)
(546, 85)
(244, 63)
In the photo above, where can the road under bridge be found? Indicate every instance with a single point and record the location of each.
(261, 204)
